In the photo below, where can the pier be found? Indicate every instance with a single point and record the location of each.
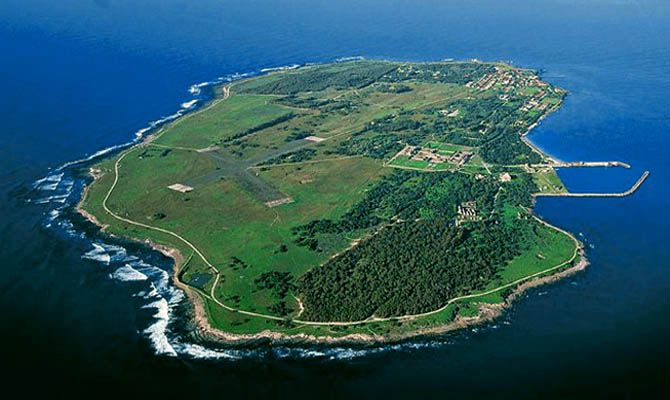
(628, 192)
(579, 164)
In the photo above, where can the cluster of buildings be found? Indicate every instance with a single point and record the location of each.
(433, 156)
(508, 79)
(535, 102)
(467, 211)
(410, 69)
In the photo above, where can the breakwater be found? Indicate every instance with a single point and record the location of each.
(628, 192)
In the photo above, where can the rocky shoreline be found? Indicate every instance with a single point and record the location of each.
(487, 311)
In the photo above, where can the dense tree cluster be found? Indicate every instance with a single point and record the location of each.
(393, 88)
(378, 146)
(325, 105)
(405, 195)
(279, 283)
(519, 191)
(280, 308)
(420, 258)
(297, 134)
(408, 268)
(384, 136)
(507, 148)
(321, 77)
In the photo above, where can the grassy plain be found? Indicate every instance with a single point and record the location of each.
(226, 215)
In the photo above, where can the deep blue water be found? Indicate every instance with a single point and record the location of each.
(80, 76)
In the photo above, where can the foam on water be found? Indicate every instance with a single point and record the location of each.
(128, 274)
(61, 198)
(156, 331)
(197, 351)
(98, 254)
(93, 156)
(48, 181)
(188, 104)
(197, 88)
(351, 58)
(282, 68)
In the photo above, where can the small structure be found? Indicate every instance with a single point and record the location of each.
(467, 211)
(460, 157)
(178, 187)
(505, 177)
(208, 149)
(449, 113)
(278, 202)
(434, 156)
(95, 172)
(315, 139)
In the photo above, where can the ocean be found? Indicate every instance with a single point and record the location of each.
(82, 313)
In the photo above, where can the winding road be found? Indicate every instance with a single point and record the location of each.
(217, 273)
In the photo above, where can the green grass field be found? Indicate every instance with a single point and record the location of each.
(407, 162)
(446, 148)
(229, 217)
(221, 121)
(547, 181)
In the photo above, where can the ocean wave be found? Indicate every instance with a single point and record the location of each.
(282, 68)
(188, 104)
(128, 274)
(351, 58)
(350, 353)
(156, 331)
(93, 156)
(61, 198)
(197, 88)
(107, 253)
(159, 277)
(237, 76)
(49, 182)
(97, 254)
(197, 351)
(53, 214)
(139, 134)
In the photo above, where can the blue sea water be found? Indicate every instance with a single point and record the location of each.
(79, 310)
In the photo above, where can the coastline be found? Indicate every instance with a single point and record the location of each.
(80, 209)
(487, 311)
(533, 146)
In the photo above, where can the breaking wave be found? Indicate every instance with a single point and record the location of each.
(128, 274)
(282, 68)
(351, 58)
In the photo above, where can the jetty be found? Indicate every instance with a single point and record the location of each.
(579, 164)
(628, 192)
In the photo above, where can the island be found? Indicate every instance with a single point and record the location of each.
(365, 200)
